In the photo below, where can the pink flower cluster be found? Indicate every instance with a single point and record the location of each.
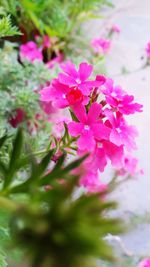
(99, 126)
(148, 49)
(31, 52)
(145, 263)
(101, 45)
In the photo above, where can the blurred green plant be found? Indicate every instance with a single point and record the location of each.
(6, 28)
(56, 18)
(52, 226)
(61, 19)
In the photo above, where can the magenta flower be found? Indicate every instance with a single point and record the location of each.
(119, 99)
(58, 59)
(78, 78)
(104, 151)
(46, 41)
(121, 133)
(129, 166)
(17, 117)
(145, 263)
(115, 28)
(89, 128)
(101, 45)
(148, 49)
(91, 181)
(31, 52)
(62, 95)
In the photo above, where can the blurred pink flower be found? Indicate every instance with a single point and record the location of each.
(46, 41)
(115, 28)
(148, 49)
(58, 59)
(91, 181)
(17, 117)
(119, 99)
(101, 45)
(129, 166)
(121, 132)
(31, 52)
(145, 263)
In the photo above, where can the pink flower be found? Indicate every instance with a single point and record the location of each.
(103, 152)
(62, 95)
(77, 78)
(101, 45)
(31, 52)
(58, 125)
(148, 49)
(58, 59)
(121, 133)
(92, 183)
(115, 28)
(46, 41)
(145, 263)
(17, 117)
(119, 99)
(89, 128)
(129, 166)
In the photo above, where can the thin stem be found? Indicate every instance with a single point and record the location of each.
(7, 204)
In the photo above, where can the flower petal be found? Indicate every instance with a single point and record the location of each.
(46, 94)
(86, 141)
(94, 112)
(85, 71)
(65, 79)
(69, 68)
(75, 128)
(100, 131)
(80, 112)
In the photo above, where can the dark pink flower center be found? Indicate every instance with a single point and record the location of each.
(74, 96)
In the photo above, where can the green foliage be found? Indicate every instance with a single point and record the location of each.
(18, 84)
(52, 226)
(56, 18)
(6, 28)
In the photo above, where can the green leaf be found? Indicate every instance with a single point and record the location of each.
(59, 173)
(6, 28)
(14, 159)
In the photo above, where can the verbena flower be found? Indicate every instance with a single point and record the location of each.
(119, 99)
(89, 128)
(100, 128)
(31, 52)
(101, 45)
(148, 50)
(145, 263)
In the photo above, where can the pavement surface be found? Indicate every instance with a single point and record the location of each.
(133, 17)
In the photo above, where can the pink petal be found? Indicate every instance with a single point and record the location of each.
(86, 141)
(67, 80)
(75, 128)
(114, 153)
(46, 94)
(69, 68)
(85, 71)
(94, 112)
(80, 113)
(100, 131)
(115, 138)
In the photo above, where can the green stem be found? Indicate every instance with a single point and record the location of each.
(7, 204)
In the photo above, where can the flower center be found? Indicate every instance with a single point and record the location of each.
(86, 127)
(74, 96)
(64, 96)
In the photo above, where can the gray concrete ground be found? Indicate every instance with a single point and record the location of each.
(133, 17)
